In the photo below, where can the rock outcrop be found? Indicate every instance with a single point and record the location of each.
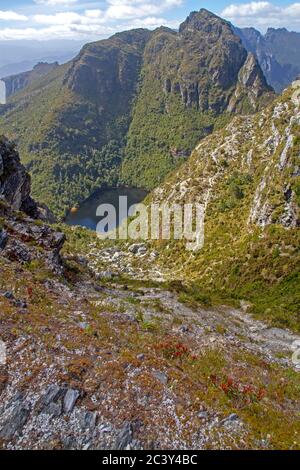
(15, 184)
(22, 236)
(251, 85)
(193, 81)
(24, 240)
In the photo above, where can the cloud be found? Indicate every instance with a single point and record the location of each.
(263, 14)
(55, 2)
(90, 24)
(58, 18)
(129, 9)
(124, 12)
(12, 16)
(84, 32)
(118, 10)
(71, 18)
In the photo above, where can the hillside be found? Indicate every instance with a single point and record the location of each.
(246, 176)
(142, 97)
(91, 360)
(277, 52)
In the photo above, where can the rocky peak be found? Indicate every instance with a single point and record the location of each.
(203, 20)
(277, 52)
(251, 75)
(271, 31)
(211, 66)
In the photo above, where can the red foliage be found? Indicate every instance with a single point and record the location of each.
(173, 349)
(29, 292)
(245, 393)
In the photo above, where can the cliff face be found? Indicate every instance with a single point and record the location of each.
(15, 83)
(277, 52)
(204, 57)
(202, 63)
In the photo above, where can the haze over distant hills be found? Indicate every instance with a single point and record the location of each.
(21, 56)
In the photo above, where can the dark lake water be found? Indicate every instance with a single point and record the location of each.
(86, 214)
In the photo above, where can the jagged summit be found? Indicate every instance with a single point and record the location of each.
(202, 20)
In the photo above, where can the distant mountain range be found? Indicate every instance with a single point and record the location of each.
(278, 53)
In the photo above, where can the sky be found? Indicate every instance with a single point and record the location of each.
(97, 19)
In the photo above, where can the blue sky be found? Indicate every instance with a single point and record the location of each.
(94, 19)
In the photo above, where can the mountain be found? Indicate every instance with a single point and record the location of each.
(130, 108)
(277, 52)
(15, 83)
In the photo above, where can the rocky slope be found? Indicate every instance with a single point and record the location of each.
(92, 361)
(277, 52)
(15, 83)
(247, 179)
(148, 96)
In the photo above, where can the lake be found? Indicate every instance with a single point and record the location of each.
(86, 213)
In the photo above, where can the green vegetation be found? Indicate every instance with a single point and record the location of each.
(162, 134)
(242, 259)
